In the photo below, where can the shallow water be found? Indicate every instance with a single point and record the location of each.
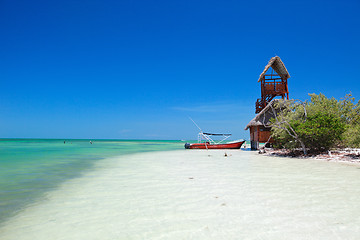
(188, 194)
(31, 167)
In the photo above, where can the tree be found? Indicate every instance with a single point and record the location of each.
(285, 114)
(321, 130)
(316, 125)
(351, 114)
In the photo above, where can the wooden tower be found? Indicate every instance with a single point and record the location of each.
(273, 84)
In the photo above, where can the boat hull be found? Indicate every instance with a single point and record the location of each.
(233, 145)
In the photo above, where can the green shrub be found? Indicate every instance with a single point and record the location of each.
(321, 131)
(320, 124)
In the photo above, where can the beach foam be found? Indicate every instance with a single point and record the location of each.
(198, 195)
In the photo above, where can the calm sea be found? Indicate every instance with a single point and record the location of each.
(30, 167)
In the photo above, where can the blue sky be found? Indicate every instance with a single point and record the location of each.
(138, 69)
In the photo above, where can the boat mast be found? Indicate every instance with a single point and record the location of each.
(196, 124)
(201, 136)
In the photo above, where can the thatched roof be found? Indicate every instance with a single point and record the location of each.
(278, 66)
(264, 116)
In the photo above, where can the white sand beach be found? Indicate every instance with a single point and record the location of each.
(191, 194)
(348, 156)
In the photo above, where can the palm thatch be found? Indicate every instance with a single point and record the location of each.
(264, 116)
(278, 66)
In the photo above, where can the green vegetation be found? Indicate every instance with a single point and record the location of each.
(317, 125)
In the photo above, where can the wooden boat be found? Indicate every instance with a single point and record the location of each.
(207, 145)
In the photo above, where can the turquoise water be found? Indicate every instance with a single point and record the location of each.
(30, 167)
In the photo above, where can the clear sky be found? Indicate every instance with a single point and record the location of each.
(138, 69)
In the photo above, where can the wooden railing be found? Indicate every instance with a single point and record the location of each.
(274, 88)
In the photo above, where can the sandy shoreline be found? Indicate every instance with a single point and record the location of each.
(196, 194)
(350, 156)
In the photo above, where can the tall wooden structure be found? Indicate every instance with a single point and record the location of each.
(272, 84)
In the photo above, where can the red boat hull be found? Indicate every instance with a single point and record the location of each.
(234, 145)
